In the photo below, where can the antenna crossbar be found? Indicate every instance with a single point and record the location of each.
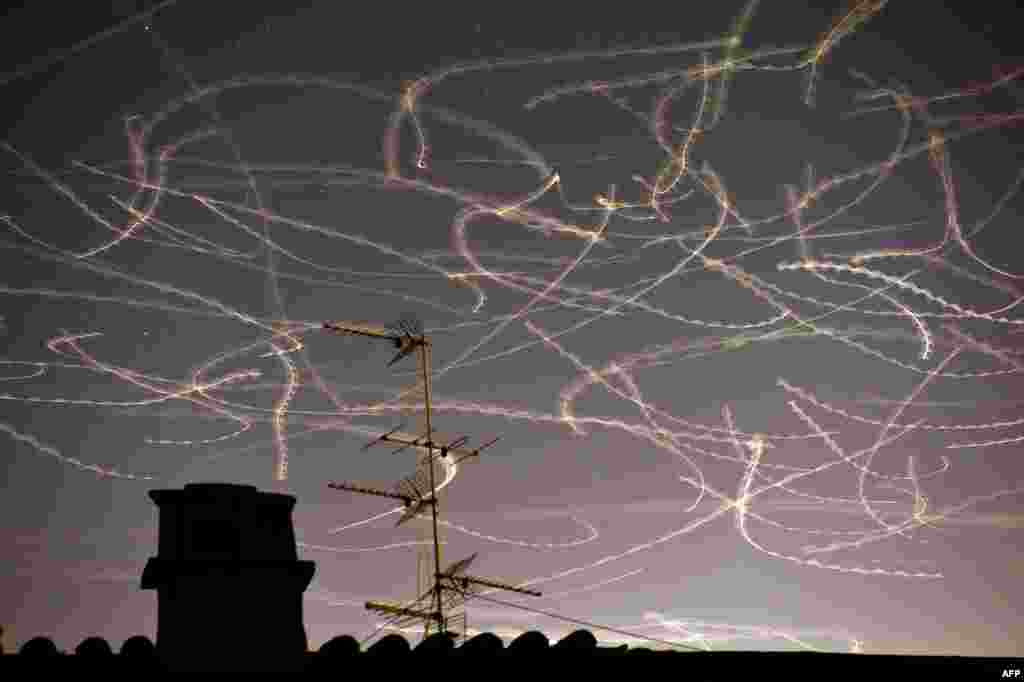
(396, 610)
(407, 499)
(464, 581)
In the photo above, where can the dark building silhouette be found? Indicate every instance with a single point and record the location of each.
(533, 642)
(93, 656)
(439, 643)
(228, 580)
(39, 648)
(484, 645)
(576, 642)
(139, 647)
(342, 646)
(94, 649)
(388, 648)
(138, 656)
(393, 656)
(338, 653)
(230, 586)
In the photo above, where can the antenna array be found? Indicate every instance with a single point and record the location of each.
(446, 590)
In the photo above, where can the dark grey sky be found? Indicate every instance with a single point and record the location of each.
(283, 111)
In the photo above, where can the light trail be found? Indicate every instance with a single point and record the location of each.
(674, 297)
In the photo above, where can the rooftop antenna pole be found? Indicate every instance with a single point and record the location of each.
(425, 358)
(410, 337)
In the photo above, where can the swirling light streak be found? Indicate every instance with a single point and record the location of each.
(739, 248)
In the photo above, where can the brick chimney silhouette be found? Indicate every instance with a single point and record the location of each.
(228, 580)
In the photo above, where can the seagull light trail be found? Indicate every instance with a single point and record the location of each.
(745, 336)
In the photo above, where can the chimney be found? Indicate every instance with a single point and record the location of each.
(228, 580)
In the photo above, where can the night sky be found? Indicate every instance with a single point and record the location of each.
(736, 284)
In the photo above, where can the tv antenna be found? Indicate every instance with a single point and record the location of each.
(449, 588)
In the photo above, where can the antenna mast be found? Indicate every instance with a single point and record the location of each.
(407, 338)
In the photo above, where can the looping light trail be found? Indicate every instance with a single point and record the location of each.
(663, 276)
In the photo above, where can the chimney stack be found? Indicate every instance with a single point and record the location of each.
(228, 580)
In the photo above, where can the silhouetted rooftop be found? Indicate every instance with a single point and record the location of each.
(344, 653)
(94, 648)
(208, 623)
